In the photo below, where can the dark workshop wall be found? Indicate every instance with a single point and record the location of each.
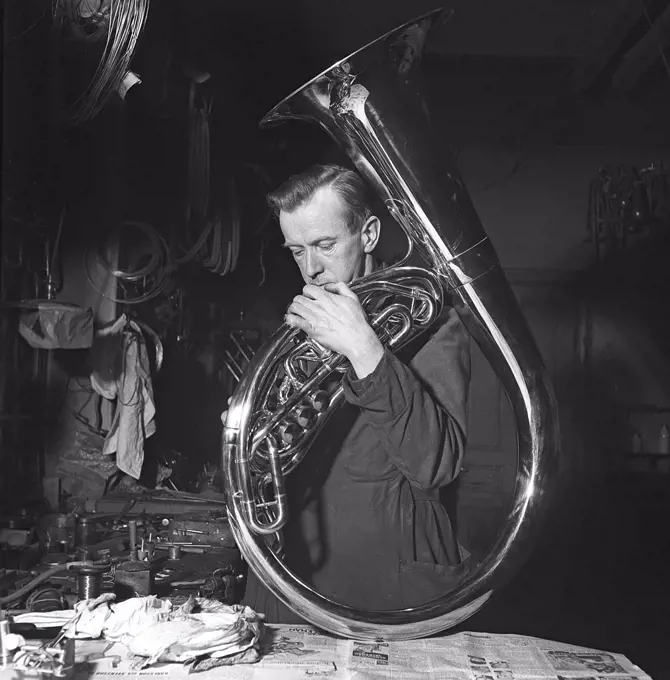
(529, 189)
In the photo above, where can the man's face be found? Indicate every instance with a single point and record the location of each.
(323, 246)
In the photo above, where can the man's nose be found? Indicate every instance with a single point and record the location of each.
(313, 265)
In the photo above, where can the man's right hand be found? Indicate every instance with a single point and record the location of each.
(335, 318)
(224, 415)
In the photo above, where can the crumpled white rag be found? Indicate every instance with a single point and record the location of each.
(122, 372)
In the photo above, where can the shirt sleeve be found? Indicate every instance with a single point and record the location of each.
(419, 410)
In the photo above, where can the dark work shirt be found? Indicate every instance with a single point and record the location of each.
(366, 525)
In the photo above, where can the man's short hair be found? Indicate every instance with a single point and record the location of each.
(299, 189)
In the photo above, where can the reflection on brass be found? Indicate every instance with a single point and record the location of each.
(373, 106)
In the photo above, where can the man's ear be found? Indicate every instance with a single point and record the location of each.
(370, 233)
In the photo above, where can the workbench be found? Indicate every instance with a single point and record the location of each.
(289, 652)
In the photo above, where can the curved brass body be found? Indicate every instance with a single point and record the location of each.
(372, 105)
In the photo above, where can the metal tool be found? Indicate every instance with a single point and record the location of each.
(132, 530)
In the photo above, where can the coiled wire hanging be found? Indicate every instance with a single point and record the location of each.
(151, 276)
(127, 19)
(212, 237)
(208, 240)
(214, 242)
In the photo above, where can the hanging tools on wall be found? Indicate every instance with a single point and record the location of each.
(625, 201)
(211, 235)
(214, 242)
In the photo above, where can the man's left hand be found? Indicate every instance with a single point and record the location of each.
(335, 318)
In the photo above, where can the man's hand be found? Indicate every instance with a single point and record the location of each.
(224, 415)
(334, 317)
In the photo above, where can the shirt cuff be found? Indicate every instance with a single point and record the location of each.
(359, 391)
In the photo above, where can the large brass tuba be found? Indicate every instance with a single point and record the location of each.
(372, 105)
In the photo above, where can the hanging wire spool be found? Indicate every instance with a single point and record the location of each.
(88, 19)
(138, 257)
(214, 242)
(144, 247)
(211, 237)
(126, 22)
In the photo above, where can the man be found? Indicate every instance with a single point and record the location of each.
(366, 526)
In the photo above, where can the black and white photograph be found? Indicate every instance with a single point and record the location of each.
(336, 330)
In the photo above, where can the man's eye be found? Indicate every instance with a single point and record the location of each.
(326, 247)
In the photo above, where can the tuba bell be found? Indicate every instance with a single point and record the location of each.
(373, 106)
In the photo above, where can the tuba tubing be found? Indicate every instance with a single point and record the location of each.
(372, 104)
